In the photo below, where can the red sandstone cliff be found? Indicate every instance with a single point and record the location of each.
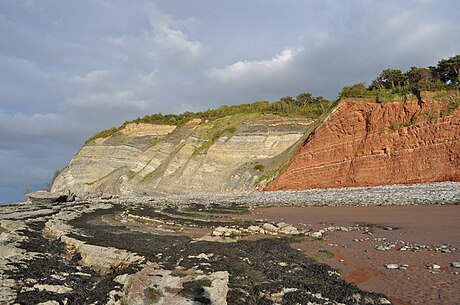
(366, 143)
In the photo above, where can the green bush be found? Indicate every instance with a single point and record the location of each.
(396, 85)
(357, 90)
(259, 167)
(304, 105)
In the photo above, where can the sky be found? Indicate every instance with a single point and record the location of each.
(71, 68)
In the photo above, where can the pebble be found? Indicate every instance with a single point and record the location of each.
(403, 267)
(434, 267)
(455, 264)
(317, 234)
(418, 194)
(58, 277)
(82, 274)
(202, 256)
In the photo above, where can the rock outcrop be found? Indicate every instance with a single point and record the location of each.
(364, 144)
(227, 154)
(41, 197)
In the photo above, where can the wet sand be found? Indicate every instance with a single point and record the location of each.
(360, 263)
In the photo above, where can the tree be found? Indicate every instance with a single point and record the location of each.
(448, 70)
(287, 99)
(388, 79)
(303, 99)
(420, 78)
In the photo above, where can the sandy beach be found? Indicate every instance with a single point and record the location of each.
(427, 229)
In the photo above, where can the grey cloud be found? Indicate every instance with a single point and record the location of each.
(365, 43)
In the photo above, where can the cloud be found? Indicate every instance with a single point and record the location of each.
(108, 101)
(365, 41)
(23, 128)
(257, 68)
(172, 41)
(91, 78)
(162, 40)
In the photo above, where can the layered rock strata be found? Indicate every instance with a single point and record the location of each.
(227, 154)
(364, 144)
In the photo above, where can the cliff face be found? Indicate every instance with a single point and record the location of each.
(230, 153)
(360, 144)
(375, 144)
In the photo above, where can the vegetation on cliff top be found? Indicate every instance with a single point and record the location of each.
(396, 85)
(305, 104)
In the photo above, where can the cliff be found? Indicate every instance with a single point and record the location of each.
(360, 143)
(226, 154)
(365, 143)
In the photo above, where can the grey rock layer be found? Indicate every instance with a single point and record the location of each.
(197, 157)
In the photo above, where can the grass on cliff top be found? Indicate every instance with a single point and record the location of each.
(303, 105)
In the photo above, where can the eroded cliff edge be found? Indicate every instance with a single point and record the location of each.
(366, 143)
(227, 154)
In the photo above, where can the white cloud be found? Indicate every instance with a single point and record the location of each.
(173, 41)
(169, 38)
(257, 69)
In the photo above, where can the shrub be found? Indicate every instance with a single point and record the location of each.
(357, 90)
(259, 167)
(103, 134)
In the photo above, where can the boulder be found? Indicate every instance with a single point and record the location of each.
(269, 228)
(43, 197)
(289, 230)
(217, 292)
(254, 229)
(226, 232)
